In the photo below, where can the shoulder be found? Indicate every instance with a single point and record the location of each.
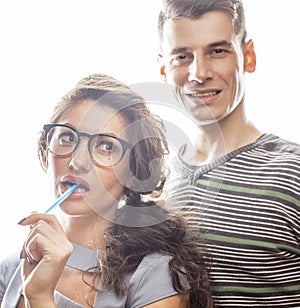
(280, 156)
(152, 260)
(279, 145)
(152, 266)
(151, 281)
(8, 266)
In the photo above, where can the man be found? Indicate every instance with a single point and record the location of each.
(244, 189)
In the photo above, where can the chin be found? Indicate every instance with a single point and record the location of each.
(202, 119)
(76, 212)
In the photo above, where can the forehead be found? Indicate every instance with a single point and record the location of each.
(92, 117)
(209, 28)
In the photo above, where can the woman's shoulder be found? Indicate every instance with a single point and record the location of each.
(151, 281)
(9, 263)
(156, 263)
(8, 266)
(154, 259)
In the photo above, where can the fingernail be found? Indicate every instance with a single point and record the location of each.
(22, 254)
(22, 220)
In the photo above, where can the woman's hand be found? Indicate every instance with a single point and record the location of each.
(45, 252)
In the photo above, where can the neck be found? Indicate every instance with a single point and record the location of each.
(87, 231)
(225, 136)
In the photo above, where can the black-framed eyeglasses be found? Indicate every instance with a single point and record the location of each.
(105, 150)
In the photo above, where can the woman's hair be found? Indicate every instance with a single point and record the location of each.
(159, 231)
(145, 130)
(194, 9)
(127, 246)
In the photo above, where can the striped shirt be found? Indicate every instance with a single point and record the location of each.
(247, 208)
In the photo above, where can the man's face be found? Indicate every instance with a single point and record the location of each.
(205, 59)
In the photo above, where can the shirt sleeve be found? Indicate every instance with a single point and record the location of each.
(152, 281)
(8, 266)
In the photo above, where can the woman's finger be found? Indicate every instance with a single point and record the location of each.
(35, 217)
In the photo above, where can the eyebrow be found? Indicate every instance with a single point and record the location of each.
(178, 50)
(222, 43)
(102, 133)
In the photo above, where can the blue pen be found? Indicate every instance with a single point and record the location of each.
(62, 198)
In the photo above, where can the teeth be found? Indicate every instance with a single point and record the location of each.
(80, 189)
(207, 94)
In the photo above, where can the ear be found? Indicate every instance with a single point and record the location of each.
(162, 67)
(250, 57)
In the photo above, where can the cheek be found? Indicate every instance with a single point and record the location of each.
(111, 183)
(177, 76)
(56, 166)
(180, 78)
(229, 71)
(115, 179)
(52, 174)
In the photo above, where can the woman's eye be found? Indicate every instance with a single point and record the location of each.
(105, 147)
(66, 138)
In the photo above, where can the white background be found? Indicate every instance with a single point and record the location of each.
(47, 46)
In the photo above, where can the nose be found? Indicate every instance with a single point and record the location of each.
(200, 69)
(80, 159)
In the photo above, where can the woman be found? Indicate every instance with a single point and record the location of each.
(114, 244)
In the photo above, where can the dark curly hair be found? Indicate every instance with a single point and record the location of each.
(144, 224)
(126, 247)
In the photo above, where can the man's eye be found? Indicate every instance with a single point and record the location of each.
(218, 51)
(181, 59)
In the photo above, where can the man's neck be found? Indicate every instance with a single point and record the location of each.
(225, 136)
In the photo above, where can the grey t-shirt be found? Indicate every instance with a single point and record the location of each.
(150, 282)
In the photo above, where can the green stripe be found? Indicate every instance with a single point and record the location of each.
(251, 191)
(256, 290)
(242, 241)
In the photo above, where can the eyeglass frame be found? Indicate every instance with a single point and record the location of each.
(125, 144)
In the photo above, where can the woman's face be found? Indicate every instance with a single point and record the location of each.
(100, 187)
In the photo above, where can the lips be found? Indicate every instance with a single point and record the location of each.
(80, 189)
(68, 181)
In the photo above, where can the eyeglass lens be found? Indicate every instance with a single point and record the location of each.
(104, 150)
